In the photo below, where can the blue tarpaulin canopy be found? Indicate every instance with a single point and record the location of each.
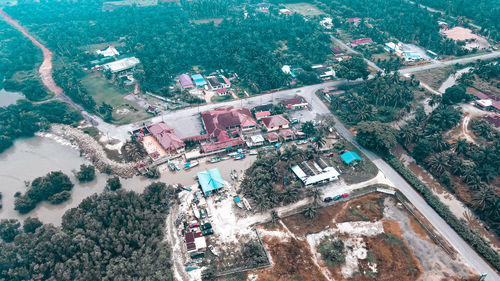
(210, 181)
(350, 156)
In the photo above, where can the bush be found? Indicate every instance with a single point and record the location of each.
(60, 197)
(9, 229)
(86, 173)
(113, 183)
(332, 251)
(31, 224)
(470, 236)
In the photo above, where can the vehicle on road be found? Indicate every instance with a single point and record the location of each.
(337, 197)
(207, 232)
(345, 195)
(203, 214)
(329, 154)
(206, 226)
(214, 160)
(327, 199)
(194, 224)
(238, 202)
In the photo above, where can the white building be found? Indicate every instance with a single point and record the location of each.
(121, 65)
(326, 23)
(311, 173)
(110, 51)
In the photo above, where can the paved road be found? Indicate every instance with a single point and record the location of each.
(465, 250)
(343, 45)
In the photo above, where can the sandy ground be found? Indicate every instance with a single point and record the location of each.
(452, 79)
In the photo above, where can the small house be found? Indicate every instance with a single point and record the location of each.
(350, 157)
(275, 123)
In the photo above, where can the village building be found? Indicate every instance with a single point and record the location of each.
(287, 134)
(355, 21)
(121, 65)
(199, 81)
(493, 119)
(222, 92)
(222, 145)
(167, 138)
(185, 81)
(361, 41)
(263, 107)
(485, 101)
(219, 82)
(210, 181)
(109, 51)
(272, 137)
(275, 123)
(228, 118)
(473, 41)
(263, 7)
(295, 103)
(285, 12)
(324, 72)
(255, 140)
(326, 23)
(350, 157)
(314, 172)
(337, 51)
(262, 114)
(195, 242)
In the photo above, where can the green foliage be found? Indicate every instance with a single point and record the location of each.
(455, 94)
(9, 229)
(31, 224)
(376, 136)
(109, 236)
(254, 254)
(113, 183)
(60, 197)
(86, 173)
(352, 69)
(310, 211)
(332, 251)
(41, 189)
(484, 129)
(308, 128)
(268, 171)
(24, 119)
(473, 238)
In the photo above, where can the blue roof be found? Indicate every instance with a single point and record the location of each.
(210, 180)
(199, 80)
(350, 156)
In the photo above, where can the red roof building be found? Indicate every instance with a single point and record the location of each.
(337, 51)
(227, 118)
(272, 137)
(275, 122)
(493, 119)
(287, 134)
(361, 41)
(295, 103)
(356, 21)
(222, 145)
(166, 137)
(262, 114)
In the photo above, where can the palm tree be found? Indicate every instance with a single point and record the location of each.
(315, 194)
(483, 197)
(318, 141)
(274, 217)
(461, 146)
(407, 134)
(437, 163)
(310, 212)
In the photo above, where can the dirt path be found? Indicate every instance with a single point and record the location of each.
(465, 129)
(46, 67)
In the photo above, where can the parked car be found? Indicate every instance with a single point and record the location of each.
(206, 226)
(207, 232)
(345, 195)
(329, 154)
(294, 121)
(203, 214)
(337, 197)
(327, 199)
(194, 224)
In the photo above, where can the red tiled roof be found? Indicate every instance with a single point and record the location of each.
(274, 121)
(272, 136)
(214, 146)
(224, 118)
(197, 138)
(361, 41)
(295, 101)
(166, 136)
(287, 133)
(495, 102)
(353, 20)
(262, 114)
(336, 51)
(221, 91)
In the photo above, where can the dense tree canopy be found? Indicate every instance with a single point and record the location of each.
(111, 236)
(24, 119)
(375, 135)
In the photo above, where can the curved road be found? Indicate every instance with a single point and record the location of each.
(318, 107)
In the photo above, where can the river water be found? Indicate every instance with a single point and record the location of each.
(30, 158)
(8, 98)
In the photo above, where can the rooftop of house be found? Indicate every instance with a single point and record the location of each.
(262, 114)
(223, 118)
(166, 136)
(218, 145)
(122, 64)
(336, 51)
(294, 101)
(185, 80)
(272, 136)
(275, 121)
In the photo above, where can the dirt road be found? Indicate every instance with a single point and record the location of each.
(46, 67)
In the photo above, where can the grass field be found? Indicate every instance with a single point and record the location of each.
(434, 77)
(305, 9)
(104, 91)
(216, 21)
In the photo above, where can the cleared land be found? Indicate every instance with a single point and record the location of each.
(102, 90)
(382, 241)
(434, 77)
(305, 9)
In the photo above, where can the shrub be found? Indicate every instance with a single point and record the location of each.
(332, 251)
